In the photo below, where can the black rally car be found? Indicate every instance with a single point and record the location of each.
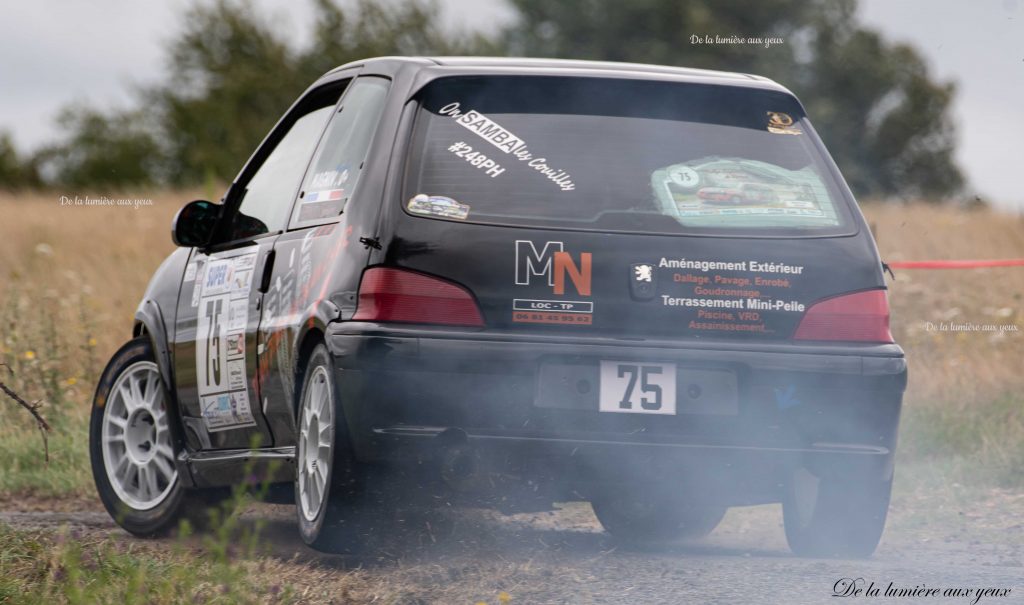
(515, 282)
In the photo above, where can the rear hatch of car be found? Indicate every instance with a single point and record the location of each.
(620, 261)
(629, 209)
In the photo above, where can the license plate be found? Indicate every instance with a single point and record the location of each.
(638, 388)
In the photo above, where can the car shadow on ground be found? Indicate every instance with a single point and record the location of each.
(425, 535)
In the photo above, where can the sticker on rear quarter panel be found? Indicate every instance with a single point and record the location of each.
(222, 296)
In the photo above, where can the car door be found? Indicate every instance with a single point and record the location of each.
(315, 252)
(216, 325)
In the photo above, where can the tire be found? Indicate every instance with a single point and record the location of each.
(132, 451)
(838, 515)
(642, 518)
(329, 502)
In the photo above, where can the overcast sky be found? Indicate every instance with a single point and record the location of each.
(54, 52)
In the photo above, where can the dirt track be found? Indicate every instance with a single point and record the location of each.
(563, 557)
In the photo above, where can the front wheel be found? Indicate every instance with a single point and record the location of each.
(131, 449)
(836, 515)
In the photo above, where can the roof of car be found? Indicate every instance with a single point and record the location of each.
(605, 68)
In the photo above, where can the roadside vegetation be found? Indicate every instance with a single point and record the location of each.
(79, 568)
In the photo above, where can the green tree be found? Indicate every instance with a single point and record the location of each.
(233, 75)
(885, 120)
(114, 149)
(16, 172)
(883, 117)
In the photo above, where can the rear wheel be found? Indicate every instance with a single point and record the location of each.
(131, 449)
(328, 494)
(650, 518)
(838, 515)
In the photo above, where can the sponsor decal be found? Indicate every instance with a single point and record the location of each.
(241, 281)
(717, 295)
(565, 306)
(752, 266)
(576, 319)
(238, 314)
(236, 374)
(197, 284)
(236, 345)
(312, 211)
(323, 196)
(190, 272)
(475, 158)
(226, 411)
(507, 142)
(550, 265)
(329, 179)
(437, 205)
(222, 298)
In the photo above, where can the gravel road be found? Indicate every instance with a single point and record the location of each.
(563, 557)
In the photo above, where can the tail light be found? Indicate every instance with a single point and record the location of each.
(397, 295)
(862, 316)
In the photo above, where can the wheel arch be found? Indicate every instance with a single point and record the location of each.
(149, 323)
(312, 334)
(308, 340)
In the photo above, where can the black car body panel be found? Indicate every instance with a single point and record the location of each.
(752, 400)
(532, 401)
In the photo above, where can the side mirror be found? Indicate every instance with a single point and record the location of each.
(194, 224)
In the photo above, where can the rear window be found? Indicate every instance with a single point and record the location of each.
(619, 155)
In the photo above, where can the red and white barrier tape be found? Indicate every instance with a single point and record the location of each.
(956, 264)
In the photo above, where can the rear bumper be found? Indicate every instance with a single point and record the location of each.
(404, 389)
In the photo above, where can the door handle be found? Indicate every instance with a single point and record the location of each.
(268, 271)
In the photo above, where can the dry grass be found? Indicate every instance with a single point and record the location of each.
(70, 279)
(955, 368)
(963, 420)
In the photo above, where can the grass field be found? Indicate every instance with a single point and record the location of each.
(71, 277)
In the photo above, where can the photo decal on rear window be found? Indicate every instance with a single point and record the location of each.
(732, 186)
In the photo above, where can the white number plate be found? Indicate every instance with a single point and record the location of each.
(638, 388)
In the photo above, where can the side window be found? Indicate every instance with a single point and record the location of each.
(339, 158)
(268, 193)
